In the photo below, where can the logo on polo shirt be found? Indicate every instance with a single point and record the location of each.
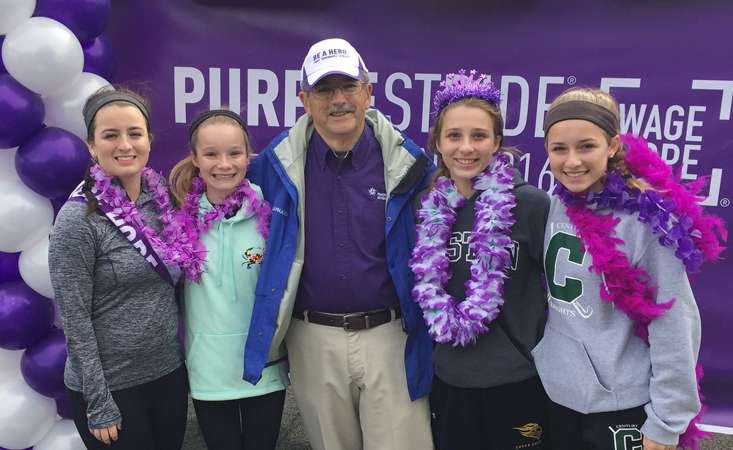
(376, 195)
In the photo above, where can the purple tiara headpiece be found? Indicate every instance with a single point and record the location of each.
(459, 85)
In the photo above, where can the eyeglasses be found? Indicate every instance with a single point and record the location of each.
(326, 92)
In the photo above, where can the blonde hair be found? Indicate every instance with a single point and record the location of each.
(605, 100)
(183, 173)
(473, 102)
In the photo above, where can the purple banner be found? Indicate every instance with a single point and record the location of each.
(668, 63)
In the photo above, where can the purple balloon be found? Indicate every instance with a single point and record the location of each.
(42, 364)
(99, 58)
(9, 267)
(52, 162)
(21, 112)
(63, 408)
(25, 316)
(85, 18)
(2, 66)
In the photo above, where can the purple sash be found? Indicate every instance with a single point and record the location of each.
(132, 233)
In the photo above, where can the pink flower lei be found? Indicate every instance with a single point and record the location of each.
(450, 321)
(165, 243)
(193, 225)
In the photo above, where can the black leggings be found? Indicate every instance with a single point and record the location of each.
(614, 430)
(245, 424)
(154, 415)
(506, 417)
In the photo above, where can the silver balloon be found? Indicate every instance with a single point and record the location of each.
(62, 436)
(25, 217)
(7, 165)
(26, 415)
(10, 365)
(15, 12)
(43, 55)
(64, 109)
(33, 267)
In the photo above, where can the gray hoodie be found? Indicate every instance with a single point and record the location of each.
(589, 359)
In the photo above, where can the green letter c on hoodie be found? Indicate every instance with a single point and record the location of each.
(571, 288)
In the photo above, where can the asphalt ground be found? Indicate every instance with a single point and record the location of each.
(292, 433)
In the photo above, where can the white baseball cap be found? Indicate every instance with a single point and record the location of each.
(329, 57)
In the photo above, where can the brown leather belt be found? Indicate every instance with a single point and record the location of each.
(351, 321)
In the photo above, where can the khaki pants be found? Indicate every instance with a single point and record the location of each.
(351, 389)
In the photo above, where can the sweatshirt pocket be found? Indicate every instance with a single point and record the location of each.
(215, 364)
(568, 374)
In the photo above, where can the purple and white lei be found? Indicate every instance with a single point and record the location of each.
(167, 244)
(193, 225)
(450, 321)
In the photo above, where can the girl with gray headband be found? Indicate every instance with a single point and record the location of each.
(619, 353)
(113, 269)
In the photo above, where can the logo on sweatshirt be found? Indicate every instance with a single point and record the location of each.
(376, 195)
(565, 251)
(252, 256)
(626, 437)
(532, 431)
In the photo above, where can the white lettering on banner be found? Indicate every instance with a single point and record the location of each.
(389, 93)
(674, 130)
(292, 101)
(427, 79)
(257, 99)
(542, 103)
(523, 103)
(181, 97)
(718, 85)
(214, 88)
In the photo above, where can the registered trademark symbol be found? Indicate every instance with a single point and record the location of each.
(571, 80)
(725, 202)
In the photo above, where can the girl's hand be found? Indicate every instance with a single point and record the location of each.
(653, 445)
(106, 435)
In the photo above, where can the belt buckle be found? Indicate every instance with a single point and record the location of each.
(347, 325)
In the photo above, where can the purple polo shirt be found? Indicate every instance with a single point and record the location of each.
(345, 264)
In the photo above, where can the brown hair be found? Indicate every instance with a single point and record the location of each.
(183, 173)
(604, 100)
(474, 102)
(92, 203)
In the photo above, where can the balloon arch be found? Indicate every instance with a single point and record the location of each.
(53, 57)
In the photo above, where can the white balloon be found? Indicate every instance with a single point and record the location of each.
(64, 109)
(25, 417)
(14, 13)
(7, 165)
(62, 436)
(43, 55)
(25, 217)
(10, 365)
(33, 267)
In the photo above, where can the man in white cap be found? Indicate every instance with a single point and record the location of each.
(341, 184)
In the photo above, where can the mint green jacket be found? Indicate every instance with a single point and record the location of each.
(218, 311)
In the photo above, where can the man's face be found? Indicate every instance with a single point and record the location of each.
(337, 105)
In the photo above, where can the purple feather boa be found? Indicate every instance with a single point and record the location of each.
(673, 213)
(450, 321)
(193, 225)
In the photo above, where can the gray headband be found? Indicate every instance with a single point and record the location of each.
(581, 109)
(206, 115)
(91, 108)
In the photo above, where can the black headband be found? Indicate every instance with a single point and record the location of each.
(584, 110)
(202, 117)
(91, 108)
